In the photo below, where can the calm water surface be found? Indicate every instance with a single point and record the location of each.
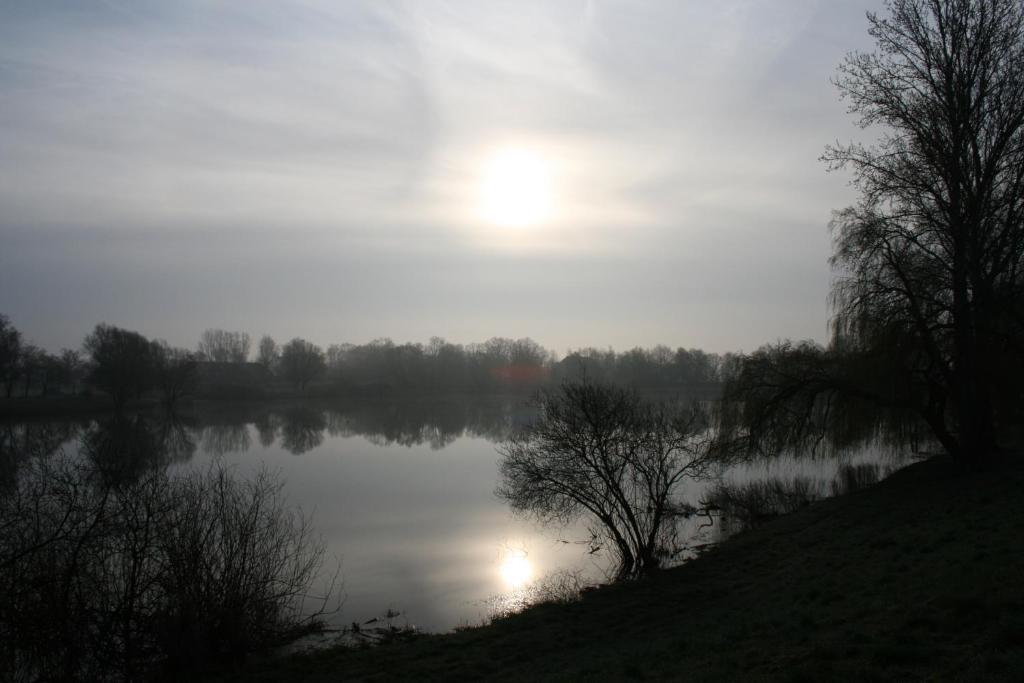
(402, 493)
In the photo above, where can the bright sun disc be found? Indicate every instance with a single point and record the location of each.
(516, 569)
(516, 189)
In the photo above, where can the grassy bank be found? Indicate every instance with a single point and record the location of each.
(917, 577)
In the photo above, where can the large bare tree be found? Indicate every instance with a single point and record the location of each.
(931, 259)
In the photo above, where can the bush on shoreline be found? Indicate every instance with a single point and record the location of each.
(120, 579)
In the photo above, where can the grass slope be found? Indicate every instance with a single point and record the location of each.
(918, 577)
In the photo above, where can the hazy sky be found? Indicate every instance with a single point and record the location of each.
(318, 169)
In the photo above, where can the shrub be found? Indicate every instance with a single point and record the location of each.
(116, 580)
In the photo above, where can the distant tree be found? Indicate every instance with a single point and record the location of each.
(587, 363)
(175, 372)
(302, 362)
(49, 372)
(602, 453)
(652, 368)
(222, 346)
(268, 355)
(519, 363)
(695, 366)
(446, 364)
(31, 365)
(122, 362)
(635, 369)
(10, 354)
(37, 369)
(339, 361)
(70, 367)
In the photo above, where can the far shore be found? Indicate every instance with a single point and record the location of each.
(58, 406)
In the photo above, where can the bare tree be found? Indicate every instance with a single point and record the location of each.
(602, 453)
(302, 362)
(268, 355)
(122, 362)
(70, 367)
(35, 366)
(222, 346)
(10, 354)
(175, 372)
(161, 573)
(929, 325)
(931, 259)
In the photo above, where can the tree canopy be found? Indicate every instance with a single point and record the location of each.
(929, 295)
(302, 361)
(931, 259)
(222, 346)
(601, 452)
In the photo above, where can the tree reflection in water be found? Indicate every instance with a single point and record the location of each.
(21, 440)
(124, 447)
(301, 427)
(221, 439)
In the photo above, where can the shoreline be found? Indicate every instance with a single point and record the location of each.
(916, 577)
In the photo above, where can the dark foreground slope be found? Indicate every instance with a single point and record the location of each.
(920, 576)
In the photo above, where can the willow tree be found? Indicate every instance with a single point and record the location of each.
(931, 258)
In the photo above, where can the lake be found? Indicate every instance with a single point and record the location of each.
(401, 492)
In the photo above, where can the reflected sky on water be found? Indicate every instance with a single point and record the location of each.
(402, 493)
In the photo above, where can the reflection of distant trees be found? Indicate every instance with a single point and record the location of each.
(437, 423)
(406, 424)
(124, 447)
(302, 429)
(20, 440)
(121, 447)
(176, 437)
(267, 426)
(220, 439)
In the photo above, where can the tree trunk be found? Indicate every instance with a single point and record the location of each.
(972, 402)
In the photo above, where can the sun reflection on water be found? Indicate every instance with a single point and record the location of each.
(516, 569)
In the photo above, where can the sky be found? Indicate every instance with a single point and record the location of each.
(339, 171)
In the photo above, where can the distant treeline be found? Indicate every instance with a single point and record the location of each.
(125, 365)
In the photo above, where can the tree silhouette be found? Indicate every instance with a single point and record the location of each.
(268, 355)
(174, 372)
(302, 362)
(10, 354)
(933, 254)
(930, 296)
(123, 363)
(222, 346)
(601, 452)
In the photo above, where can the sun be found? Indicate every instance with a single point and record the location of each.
(516, 188)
